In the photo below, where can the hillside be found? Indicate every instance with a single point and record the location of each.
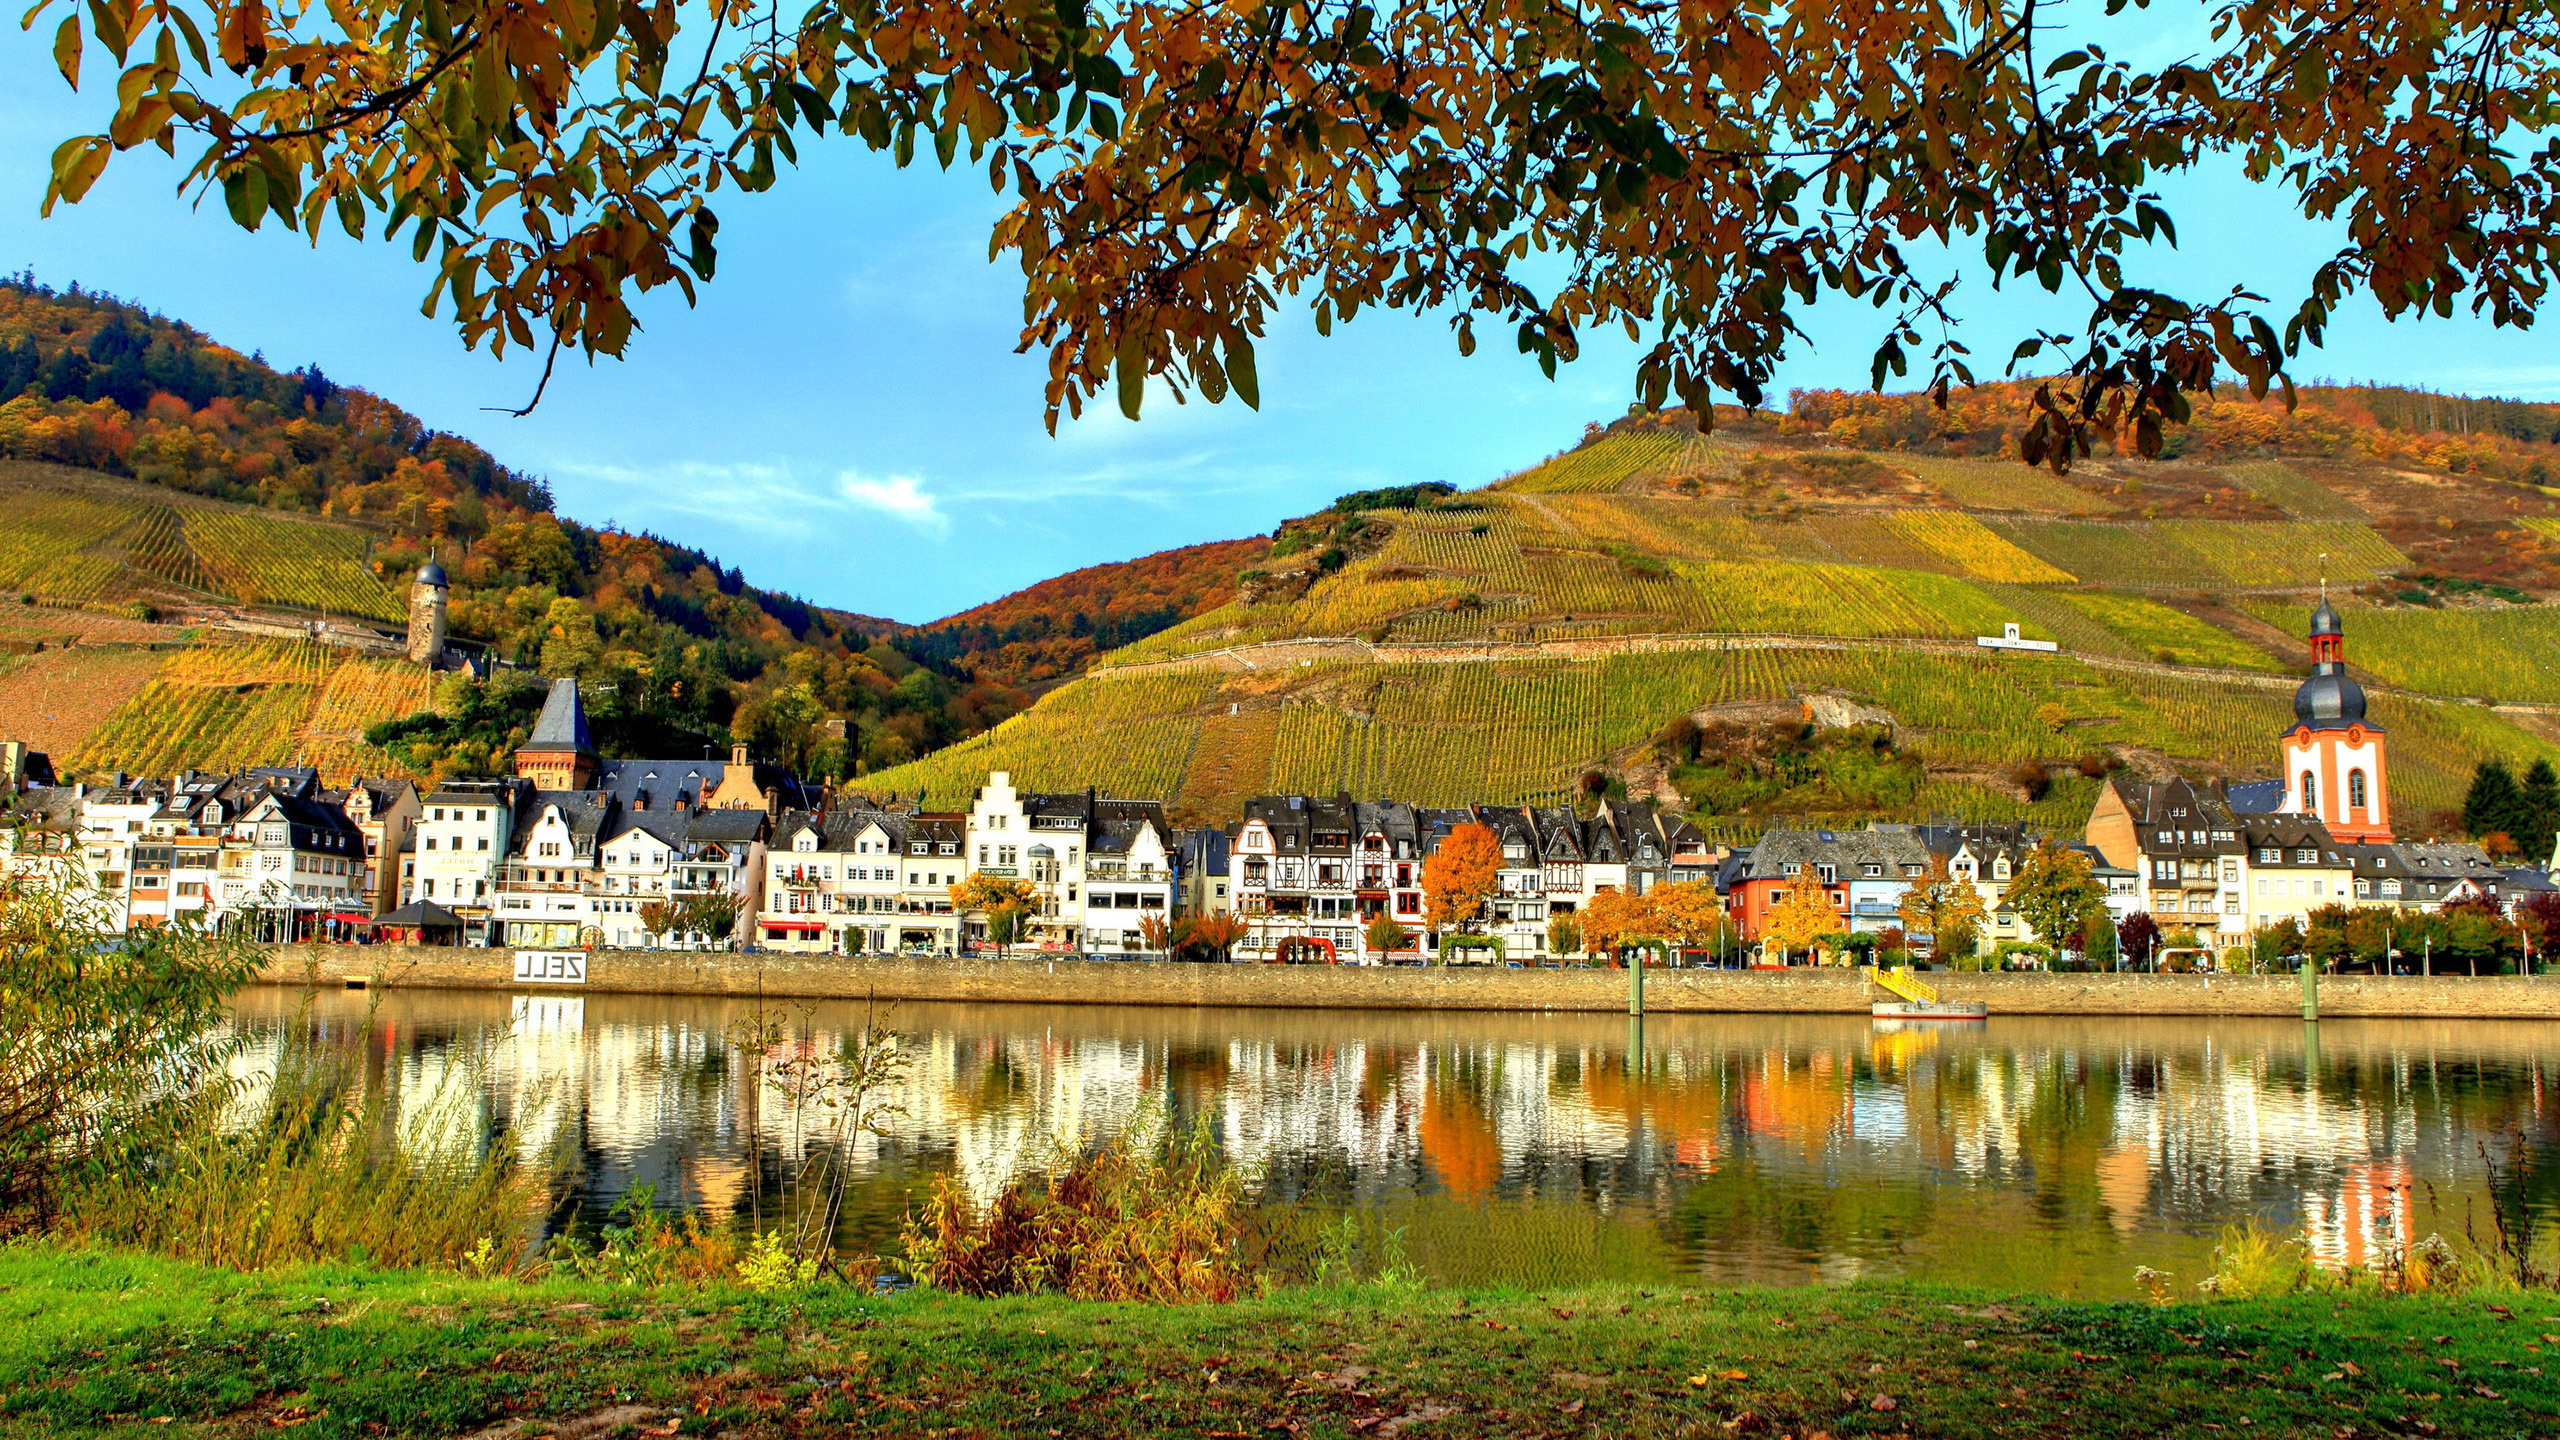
(157, 487)
(1553, 629)
(1056, 628)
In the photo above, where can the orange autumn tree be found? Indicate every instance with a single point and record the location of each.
(1802, 918)
(1173, 176)
(1458, 877)
(1611, 919)
(1688, 915)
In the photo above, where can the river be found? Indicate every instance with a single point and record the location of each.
(2046, 1154)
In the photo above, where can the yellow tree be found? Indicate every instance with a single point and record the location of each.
(1801, 918)
(1688, 914)
(1459, 875)
(1003, 899)
(1943, 907)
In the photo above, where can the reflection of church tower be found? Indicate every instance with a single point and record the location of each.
(2333, 765)
(426, 616)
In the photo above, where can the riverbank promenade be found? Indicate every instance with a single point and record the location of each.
(1075, 981)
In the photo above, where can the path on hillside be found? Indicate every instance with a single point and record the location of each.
(1307, 650)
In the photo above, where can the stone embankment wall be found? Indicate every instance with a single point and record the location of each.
(1080, 982)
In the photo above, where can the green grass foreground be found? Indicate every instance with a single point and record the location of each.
(112, 1343)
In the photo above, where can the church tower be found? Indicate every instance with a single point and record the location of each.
(559, 755)
(426, 615)
(2333, 760)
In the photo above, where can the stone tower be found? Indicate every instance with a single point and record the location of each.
(426, 616)
(2333, 755)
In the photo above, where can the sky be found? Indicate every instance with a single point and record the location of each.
(844, 417)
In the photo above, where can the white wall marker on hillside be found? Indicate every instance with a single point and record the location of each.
(2008, 639)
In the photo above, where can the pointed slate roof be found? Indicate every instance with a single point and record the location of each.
(563, 725)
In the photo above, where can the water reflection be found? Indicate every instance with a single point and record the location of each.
(2047, 1153)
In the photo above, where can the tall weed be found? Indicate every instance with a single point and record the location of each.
(319, 1165)
(1156, 1214)
(113, 1045)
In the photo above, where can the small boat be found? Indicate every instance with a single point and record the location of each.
(1930, 1010)
(1914, 999)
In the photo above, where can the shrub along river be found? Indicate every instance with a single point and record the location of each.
(2042, 1154)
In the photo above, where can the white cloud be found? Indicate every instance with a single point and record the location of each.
(902, 497)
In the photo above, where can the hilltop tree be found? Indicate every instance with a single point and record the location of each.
(2492, 803)
(1459, 876)
(1943, 907)
(1176, 174)
(2055, 893)
(2538, 812)
(1802, 919)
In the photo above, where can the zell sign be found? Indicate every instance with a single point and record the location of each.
(551, 967)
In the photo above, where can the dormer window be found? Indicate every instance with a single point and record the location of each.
(1871, 869)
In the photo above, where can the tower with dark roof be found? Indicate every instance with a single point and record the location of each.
(559, 755)
(426, 615)
(2333, 755)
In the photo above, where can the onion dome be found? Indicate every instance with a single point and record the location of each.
(2324, 621)
(2330, 700)
(432, 573)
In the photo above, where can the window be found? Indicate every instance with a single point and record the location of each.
(2305, 855)
(2164, 869)
(431, 842)
(1830, 874)
(480, 815)
(2355, 789)
(548, 850)
(2269, 855)
(1790, 869)
(1871, 869)
(2310, 794)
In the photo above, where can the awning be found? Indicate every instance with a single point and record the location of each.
(811, 926)
(425, 914)
(346, 919)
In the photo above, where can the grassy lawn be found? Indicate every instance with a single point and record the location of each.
(95, 1343)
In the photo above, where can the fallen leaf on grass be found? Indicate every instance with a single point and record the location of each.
(2484, 1392)
(2351, 1367)
(1733, 1374)
(1573, 1409)
(1495, 1325)
(1882, 1402)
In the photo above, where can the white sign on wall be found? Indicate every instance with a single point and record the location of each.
(2008, 639)
(551, 967)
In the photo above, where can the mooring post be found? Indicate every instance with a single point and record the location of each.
(1635, 983)
(2310, 989)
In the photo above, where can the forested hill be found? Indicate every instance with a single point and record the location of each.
(679, 649)
(1054, 629)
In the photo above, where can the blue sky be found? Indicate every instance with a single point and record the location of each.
(844, 417)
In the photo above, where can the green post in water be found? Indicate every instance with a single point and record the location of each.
(1635, 983)
(2310, 988)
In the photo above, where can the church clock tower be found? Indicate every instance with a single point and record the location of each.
(2333, 755)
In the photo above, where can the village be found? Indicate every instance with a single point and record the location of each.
(576, 851)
